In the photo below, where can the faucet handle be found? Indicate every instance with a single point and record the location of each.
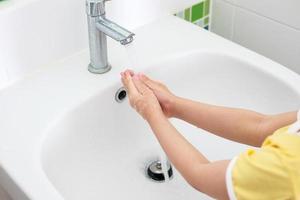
(95, 8)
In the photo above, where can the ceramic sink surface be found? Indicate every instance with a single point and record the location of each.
(68, 139)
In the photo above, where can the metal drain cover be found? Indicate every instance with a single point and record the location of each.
(155, 171)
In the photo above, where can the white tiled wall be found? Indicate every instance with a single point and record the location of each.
(222, 18)
(285, 12)
(269, 27)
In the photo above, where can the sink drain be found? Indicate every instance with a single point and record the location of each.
(155, 171)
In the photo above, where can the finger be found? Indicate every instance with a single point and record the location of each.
(141, 87)
(149, 82)
(129, 85)
(131, 72)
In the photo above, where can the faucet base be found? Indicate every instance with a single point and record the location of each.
(99, 70)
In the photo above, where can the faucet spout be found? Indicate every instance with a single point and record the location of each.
(99, 27)
(114, 31)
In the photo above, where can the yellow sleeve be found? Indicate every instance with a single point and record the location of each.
(260, 175)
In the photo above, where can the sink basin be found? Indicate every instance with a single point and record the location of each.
(74, 141)
(103, 145)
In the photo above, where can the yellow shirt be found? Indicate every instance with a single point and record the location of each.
(270, 173)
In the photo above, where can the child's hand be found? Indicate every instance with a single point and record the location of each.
(164, 96)
(141, 98)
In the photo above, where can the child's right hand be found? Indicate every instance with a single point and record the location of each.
(162, 93)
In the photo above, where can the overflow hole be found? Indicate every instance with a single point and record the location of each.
(120, 95)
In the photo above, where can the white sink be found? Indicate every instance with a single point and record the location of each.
(63, 135)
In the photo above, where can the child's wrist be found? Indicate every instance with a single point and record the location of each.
(175, 104)
(154, 116)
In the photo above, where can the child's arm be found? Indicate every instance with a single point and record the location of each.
(240, 125)
(206, 177)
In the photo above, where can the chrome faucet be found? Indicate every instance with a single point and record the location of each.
(99, 27)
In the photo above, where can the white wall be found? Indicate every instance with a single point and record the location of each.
(34, 33)
(134, 13)
(269, 27)
(38, 32)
